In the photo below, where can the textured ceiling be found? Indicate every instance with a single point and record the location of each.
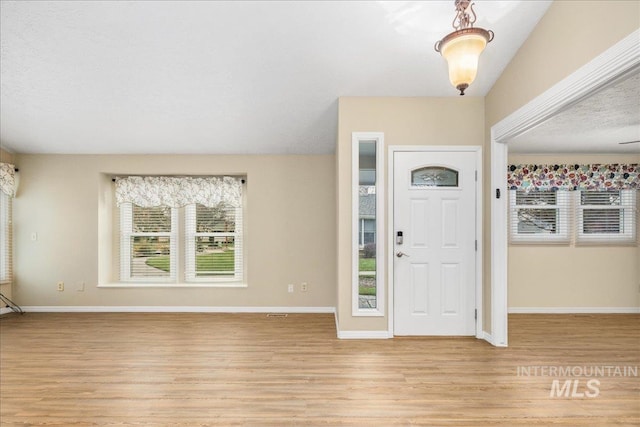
(597, 124)
(222, 77)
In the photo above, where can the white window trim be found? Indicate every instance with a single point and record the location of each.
(126, 233)
(627, 207)
(6, 271)
(563, 204)
(356, 138)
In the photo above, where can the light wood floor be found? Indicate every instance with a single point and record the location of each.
(247, 369)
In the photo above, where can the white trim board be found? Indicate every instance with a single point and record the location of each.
(489, 338)
(171, 309)
(574, 310)
(618, 60)
(5, 310)
(364, 335)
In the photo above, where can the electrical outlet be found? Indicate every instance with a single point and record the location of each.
(304, 287)
(60, 286)
(290, 288)
(80, 286)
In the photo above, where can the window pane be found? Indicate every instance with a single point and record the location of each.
(151, 220)
(367, 215)
(217, 219)
(536, 198)
(369, 238)
(539, 216)
(601, 198)
(537, 221)
(215, 256)
(369, 225)
(150, 256)
(213, 243)
(434, 176)
(601, 221)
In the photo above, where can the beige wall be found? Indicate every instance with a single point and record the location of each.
(6, 157)
(290, 222)
(404, 121)
(570, 275)
(567, 37)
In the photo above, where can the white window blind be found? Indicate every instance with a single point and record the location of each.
(214, 243)
(6, 246)
(606, 216)
(148, 243)
(539, 216)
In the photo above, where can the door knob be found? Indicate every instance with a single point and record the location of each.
(401, 254)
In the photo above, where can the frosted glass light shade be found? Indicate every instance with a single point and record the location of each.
(462, 50)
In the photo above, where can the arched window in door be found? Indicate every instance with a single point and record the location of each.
(434, 176)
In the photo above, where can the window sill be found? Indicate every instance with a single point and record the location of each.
(173, 285)
(603, 242)
(540, 242)
(363, 312)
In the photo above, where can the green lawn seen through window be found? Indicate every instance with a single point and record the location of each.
(367, 264)
(218, 261)
(367, 268)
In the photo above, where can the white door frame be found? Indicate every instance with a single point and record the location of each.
(390, 214)
(615, 62)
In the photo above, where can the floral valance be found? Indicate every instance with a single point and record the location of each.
(8, 179)
(176, 192)
(595, 177)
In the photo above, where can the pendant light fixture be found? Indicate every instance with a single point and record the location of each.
(463, 47)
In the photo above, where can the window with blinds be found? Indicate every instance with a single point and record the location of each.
(191, 231)
(148, 243)
(606, 216)
(539, 216)
(213, 243)
(6, 250)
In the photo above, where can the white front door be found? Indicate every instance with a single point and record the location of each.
(434, 259)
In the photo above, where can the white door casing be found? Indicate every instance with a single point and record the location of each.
(435, 280)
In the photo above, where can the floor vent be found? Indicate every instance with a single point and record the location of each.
(277, 315)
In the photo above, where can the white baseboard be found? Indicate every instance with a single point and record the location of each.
(360, 335)
(574, 310)
(5, 310)
(489, 338)
(170, 309)
(364, 335)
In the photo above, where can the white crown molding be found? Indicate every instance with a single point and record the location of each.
(574, 310)
(171, 309)
(621, 58)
